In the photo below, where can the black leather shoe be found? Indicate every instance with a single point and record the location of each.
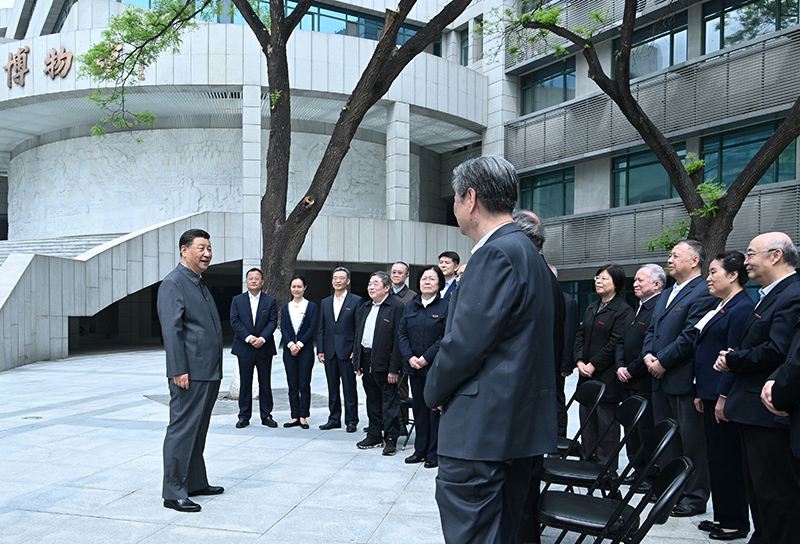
(242, 423)
(208, 490)
(304, 425)
(269, 422)
(719, 534)
(683, 511)
(707, 525)
(182, 505)
(390, 448)
(368, 443)
(295, 423)
(351, 428)
(414, 459)
(330, 425)
(431, 464)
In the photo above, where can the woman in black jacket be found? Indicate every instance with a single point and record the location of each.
(595, 347)
(420, 331)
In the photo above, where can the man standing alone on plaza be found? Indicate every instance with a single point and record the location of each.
(335, 345)
(254, 316)
(494, 374)
(192, 335)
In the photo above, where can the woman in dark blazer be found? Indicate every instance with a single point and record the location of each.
(420, 331)
(595, 351)
(298, 327)
(720, 329)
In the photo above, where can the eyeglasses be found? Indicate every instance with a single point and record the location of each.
(601, 278)
(751, 254)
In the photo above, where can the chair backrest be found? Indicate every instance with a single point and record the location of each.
(630, 412)
(650, 452)
(588, 395)
(667, 488)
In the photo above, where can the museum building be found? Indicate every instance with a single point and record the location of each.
(91, 225)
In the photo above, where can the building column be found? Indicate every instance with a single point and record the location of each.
(251, 177)
(398, 162)
(502, 100)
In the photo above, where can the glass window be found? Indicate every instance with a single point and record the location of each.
(728, 153)
(549, 195)
(639, 178)
(729, 22)
(464, 47)
(549, 86)
(658, 46)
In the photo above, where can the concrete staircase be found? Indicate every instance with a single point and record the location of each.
(65, 246)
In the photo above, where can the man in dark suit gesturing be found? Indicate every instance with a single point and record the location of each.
(335, 345)
(772, 473)
(193, 341)
(494, 374)
(254, 316)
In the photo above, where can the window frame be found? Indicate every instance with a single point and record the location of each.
(531, 80)
(529, 183)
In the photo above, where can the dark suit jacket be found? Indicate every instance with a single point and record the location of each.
(786, 391)
(421, 330)
(723, 331)
(629, 350)
(450, 290)
(571, 324)
(308, 327)
(191, 327)
(337, 336)
(596, 343)
(385, 347)
(671, 334)
(495, 382)
(405, 295)
(243, 326)
(764, 347)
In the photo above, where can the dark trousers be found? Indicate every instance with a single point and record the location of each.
(772, 478)
(725, 470)
(246, 366)
(382, 397)
(633, 443)
(426, 421)
(481, 501)
(341, 370)
(298, 377)
(602, 418)
(528, 525)
(690, 442)
(189, 415)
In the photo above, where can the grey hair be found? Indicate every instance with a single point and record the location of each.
(696, 248)
(657, 274)
(383, 276)
(493, 179)
(787, 248)
(341, 269)
(531, 225)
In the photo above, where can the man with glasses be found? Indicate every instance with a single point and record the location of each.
(772, 473)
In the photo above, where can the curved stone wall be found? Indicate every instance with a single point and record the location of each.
(91, 186)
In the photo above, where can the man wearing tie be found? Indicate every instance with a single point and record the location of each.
(192, 335)
(669, 355)
(335, 341)
(254, 316)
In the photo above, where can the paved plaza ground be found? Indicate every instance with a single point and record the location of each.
(80, 461)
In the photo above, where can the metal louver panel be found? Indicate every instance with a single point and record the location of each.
(618, 235)
(714, 89)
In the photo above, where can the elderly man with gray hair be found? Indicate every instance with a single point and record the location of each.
(493, 375)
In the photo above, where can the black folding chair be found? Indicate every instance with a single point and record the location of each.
(587, 395)
(406, 403)
(592, 474)
(610, 519)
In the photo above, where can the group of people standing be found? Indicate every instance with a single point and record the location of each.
(701, 352)
(390, 341)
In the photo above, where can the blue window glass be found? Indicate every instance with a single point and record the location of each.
(550, 194)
